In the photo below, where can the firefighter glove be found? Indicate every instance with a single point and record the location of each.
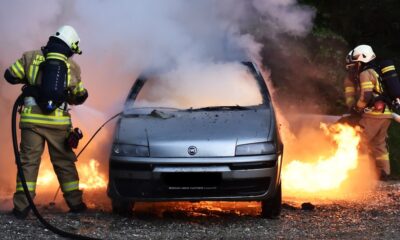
(73, 138)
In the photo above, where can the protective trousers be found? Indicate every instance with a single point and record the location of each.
(61, 156)
(375, 133)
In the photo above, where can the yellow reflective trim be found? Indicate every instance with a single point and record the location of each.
(79, 88)
(71, 189)
(68, 73)
(19, 65)
(18, 69)
(31, 186)
(378, 88)
(387, 69)
(27, 110)
(349, 89)
(34, 74)
(59, 112)
(55, 57)
(383, 157)
(70, 186)
(45, 119)
(16, 72)
(36, 115)
(70, 183)
(367, 86)
(367, 83)
(40, 58)
(27, 183)
(34, 68)
(48, 122)
(30, 74)
(59, 56)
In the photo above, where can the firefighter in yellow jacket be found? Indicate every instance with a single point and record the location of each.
(38, 127)
(362, 86)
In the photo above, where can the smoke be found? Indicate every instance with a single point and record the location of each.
(200, 85)
(122, 40)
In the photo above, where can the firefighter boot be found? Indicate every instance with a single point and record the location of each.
(21, 214)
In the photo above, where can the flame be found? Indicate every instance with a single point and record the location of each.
(90, 176)
(326, 174)
(46, 178)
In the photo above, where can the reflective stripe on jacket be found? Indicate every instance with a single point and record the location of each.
(27, 70)
(369, 84)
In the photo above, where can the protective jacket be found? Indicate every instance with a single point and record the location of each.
(26, 71)
(360, 91)
(38, 128)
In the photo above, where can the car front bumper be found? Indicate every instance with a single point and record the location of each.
(193, 179)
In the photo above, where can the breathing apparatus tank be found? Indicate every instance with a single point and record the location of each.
(391, 84)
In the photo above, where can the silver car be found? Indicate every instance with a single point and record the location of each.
(213, 152)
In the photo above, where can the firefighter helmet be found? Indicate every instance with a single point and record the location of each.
(362, 53)
(68, 35)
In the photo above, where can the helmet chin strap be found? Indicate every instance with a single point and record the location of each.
(75, 48)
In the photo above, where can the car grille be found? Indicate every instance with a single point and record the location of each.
(190, 185)
(126, 166)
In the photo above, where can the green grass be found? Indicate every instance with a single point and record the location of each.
(394, 148)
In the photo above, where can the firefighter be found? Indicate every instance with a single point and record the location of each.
(362, 86)
(38, 128)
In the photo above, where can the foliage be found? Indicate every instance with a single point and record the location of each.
(394, 149)
(372, 22)
(308, 72)
(376, 23)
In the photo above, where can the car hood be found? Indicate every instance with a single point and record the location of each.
(210, 133)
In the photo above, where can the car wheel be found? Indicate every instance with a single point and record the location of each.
(271, 208)
(123, 208)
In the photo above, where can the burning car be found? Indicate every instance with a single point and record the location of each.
(177, 146)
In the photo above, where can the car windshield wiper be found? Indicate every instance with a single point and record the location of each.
(147, 111)
(218, 108)
(156, 108)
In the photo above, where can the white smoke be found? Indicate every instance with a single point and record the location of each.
(200, 85)
(285, 16)
(123, 39)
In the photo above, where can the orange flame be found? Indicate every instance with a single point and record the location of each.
(90, 176)
(46, 178)
(327, 173)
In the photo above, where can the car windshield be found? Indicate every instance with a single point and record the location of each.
(225, 86)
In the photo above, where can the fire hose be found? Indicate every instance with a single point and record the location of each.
(84, 147)
(18, 103)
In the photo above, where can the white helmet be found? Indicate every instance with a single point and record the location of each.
(362, 53)
(68, 35)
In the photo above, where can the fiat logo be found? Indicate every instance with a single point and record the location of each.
(192, 150)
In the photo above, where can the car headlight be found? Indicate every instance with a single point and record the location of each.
(130, 150)
(255, 149)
